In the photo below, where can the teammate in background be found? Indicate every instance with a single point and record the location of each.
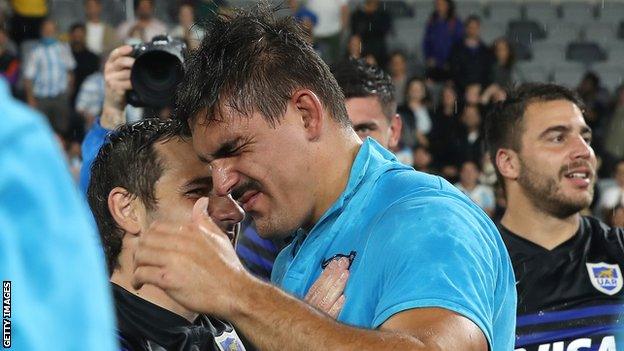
(370, 101)
(568, 267)
(428, 268)
(371, 106)
(48, 244)
(148, 171)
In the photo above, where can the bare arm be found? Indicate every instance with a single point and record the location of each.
(197, 266)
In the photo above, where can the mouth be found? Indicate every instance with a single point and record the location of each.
(248, 199)
(580, 177)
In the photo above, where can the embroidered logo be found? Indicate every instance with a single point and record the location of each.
(229, 341)
(606, 278)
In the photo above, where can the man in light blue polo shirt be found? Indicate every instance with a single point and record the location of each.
(429, 270)
(52, 261)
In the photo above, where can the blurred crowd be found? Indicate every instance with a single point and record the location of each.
(442, 98)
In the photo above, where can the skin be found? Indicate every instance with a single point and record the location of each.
(368, 119)
(93, 9)
(542, 204)
(184, 180)
(312, 149)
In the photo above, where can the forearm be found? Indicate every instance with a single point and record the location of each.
(112, 117)
(273, 320)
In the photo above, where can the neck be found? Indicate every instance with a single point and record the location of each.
(337, 168)
(152, 294)
(94, 20)
(535, 225)
(415, 103)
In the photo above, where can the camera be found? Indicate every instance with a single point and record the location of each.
(158, 69)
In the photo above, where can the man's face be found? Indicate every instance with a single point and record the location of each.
(368, 119)
(469, 174)
(93, 9)
(473, 29)
(266, 169)
(48, 29)
(145, 9)
(77, 36)
(557, 163)
(183, 181)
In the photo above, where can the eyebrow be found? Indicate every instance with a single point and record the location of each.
(226, 149)
(564, 129)
(364, 124)
(199, 181)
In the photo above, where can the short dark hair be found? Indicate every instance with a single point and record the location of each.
(129, 160)
(357, 78)
(503, 124)
(136, 3)
(75, 26)
(252, 61)
(473, 18)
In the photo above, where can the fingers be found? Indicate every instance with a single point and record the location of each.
(200, 209)
(150, 275)
(328, 288)
(334, 311)
(123, 50)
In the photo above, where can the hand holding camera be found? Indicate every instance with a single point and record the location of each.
(143, 75)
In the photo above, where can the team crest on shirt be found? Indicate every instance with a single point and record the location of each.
(606, 278)
(229, 342)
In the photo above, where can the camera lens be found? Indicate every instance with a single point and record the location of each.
(155, 76)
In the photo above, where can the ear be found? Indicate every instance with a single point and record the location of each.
(396, 124)
(311, 110)
(508, 163)
(126, 210)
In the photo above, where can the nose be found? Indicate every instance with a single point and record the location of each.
(224, 178)
(581, 149)
(225, 211)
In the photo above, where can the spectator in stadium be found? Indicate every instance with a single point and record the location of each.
(186, 29)
(503, 72)
(614, 142)
(370, 102)
(9, 64)
(443, 30)
(541, 145)
(422, 159)
(613, 195)
(397, 67)
(27, 19)
(144, 23)
(596, 99)
(415, 114)
(481, 194)
(90, 98)
(49, 78)
(87, 62)
(372, 24)
(616, 217)
(354, 47)
(445, 134)
(471, 146)
(470, 60)
(101, 36)
(358, 202)
(306, 18)
(49, 247)
(333, 19)
(472, 94)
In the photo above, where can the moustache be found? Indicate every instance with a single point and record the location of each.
(241, 189)
(578, 164)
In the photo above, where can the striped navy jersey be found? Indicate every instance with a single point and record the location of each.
(570, 298)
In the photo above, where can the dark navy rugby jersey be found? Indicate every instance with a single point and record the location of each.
(570, 298)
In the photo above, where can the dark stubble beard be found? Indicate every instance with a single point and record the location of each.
(543, 192)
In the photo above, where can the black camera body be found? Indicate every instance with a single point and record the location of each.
(158, 69)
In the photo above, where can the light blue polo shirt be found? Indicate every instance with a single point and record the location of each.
(418, 242)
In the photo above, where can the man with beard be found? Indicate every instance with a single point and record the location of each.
(428, 269)
(568, 267)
